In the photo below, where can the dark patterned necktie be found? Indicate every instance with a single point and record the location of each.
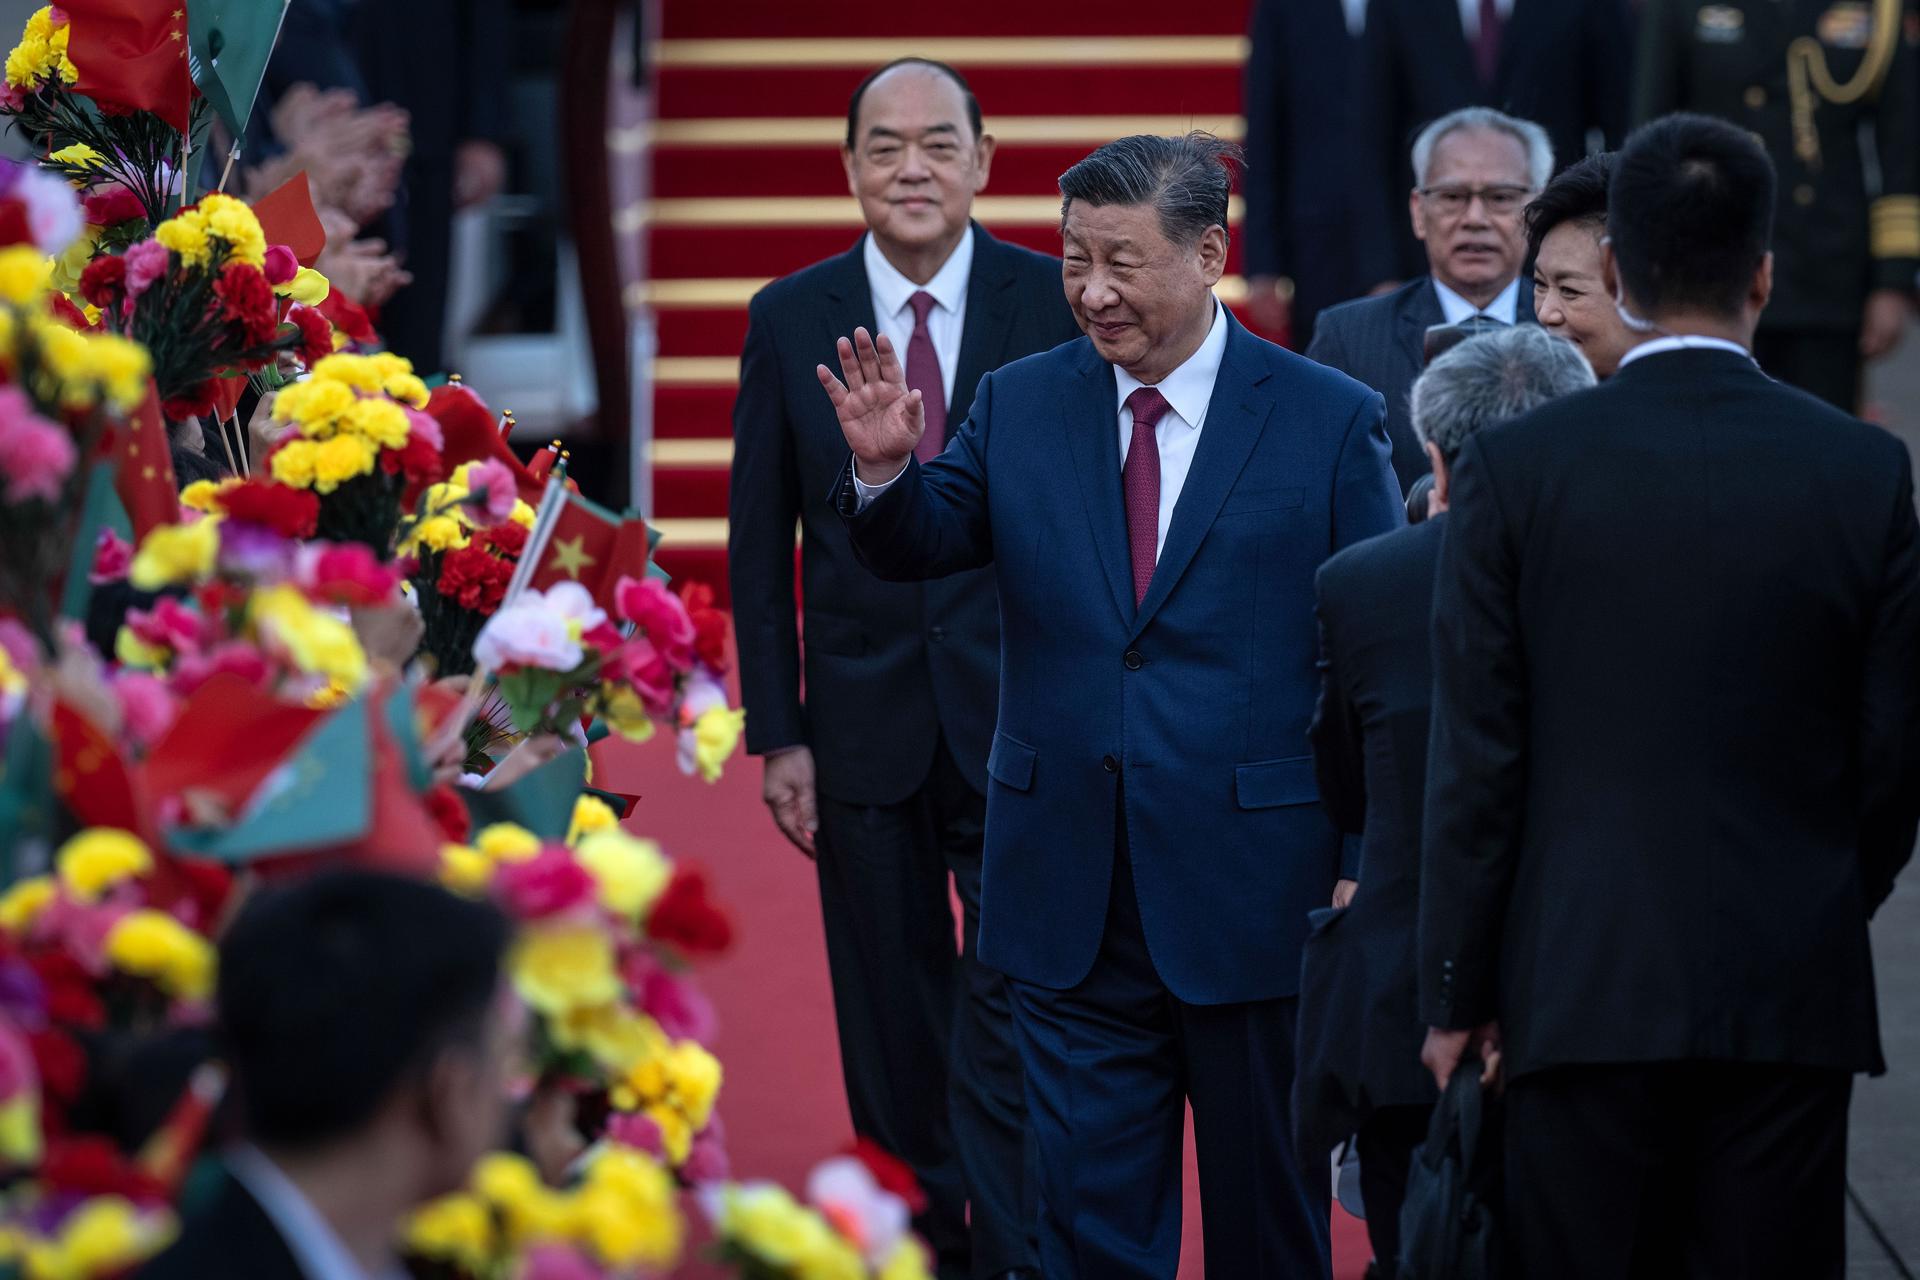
(923, 375)
(1140, 480)
(1486, 45)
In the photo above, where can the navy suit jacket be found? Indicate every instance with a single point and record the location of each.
(1199, 698)
(889, 668)
(1382, 342)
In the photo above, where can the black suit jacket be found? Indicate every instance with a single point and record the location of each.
(1360, 1028)
(1301, 184)
(230, 1239)
(1566, 65)
(1676, 736)
(890, 667)
(1381, 342)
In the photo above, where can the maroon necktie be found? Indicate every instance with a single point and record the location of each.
(1140, 480)
(923, 375)
(1486, 46)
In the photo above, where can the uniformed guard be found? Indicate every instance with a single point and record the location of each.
(1804, 76)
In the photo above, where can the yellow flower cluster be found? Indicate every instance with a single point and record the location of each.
(314, 641)
(631, 873)
(22, 904)
(447, 523)
(204, 495)
(155, 946)
(623, 1213)
(216, 220)
(563, 966)
(41, 53)
(173, 555)
(98, 859)
(764, 1220)
(79, 369)
(20, 1142)
(347, 411)
(590, 814)
(715, 734)
(382, 372)
(105, 1236)
(674, 1082)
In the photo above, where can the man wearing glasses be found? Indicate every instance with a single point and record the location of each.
(1477, 169)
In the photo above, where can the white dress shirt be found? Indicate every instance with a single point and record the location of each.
(1188, 391)
(893, 311)
(1470, 16)
(1356, 13)
(1505, 306)
(1681, 342)
(316, 1249)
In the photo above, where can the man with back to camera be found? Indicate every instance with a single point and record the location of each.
(1675, 762)
(1155, 499)
(369, 1037)
(880, 773)
(1477, 169)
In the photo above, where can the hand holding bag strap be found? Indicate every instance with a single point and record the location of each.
(1465, 1099)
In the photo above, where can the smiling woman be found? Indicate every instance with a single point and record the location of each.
(1571, 296)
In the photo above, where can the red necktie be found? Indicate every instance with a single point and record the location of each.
(1486, 46)
(923, 375)
(1140, 480)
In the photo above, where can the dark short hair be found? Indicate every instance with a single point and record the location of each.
(1577, 195)
(1187, 179)
(337, 990)
(1690, 214)
(959, 81)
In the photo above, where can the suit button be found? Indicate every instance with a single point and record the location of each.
(1109, 764)
(1756, 97)
(936, 634)
(1133, 660)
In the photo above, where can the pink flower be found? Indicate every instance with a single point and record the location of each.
(112, 556)
(36, 457)
(422, 426)
(281, 266)
(546, 884)
(168, 625)
(707, 1160)
(345, 573)
(146, 707)
(113, 204)
(637, 1130)
(660, 615)
(146, 262)
(639, 664)
(682, 1009)
(493, 491)
(871, 1218)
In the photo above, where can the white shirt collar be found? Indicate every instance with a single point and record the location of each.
(891, 290)
(1681, 342)
(1189, 388)
(317, 1250)
(1505, 306)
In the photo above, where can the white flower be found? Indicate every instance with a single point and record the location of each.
(873, 1218)
(574, 603)
(531, 632)
(53, 212)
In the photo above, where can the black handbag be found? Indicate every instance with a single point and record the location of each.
(1449, 1227)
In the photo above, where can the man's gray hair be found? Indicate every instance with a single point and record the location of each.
(1186, 179)
(1491, 379)
(1531, 137)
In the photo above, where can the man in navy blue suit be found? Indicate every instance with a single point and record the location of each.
(1155, 498)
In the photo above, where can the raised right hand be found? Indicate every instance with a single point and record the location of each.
(881, 419)
(789, 793)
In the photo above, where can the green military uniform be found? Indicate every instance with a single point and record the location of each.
(1804, 76)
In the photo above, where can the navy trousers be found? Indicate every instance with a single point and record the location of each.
(1109, 1064)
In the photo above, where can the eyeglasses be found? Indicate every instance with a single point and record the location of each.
(1451, 202)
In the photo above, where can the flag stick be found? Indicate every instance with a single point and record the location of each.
(240, 442)
(226, 444)
(232, 155)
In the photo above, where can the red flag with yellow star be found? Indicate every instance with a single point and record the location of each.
(593, 547)
(143, 468)
(133, 53)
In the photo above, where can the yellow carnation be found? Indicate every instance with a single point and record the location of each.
(204, 495)
(456, 1229)
(316, 642)
(22, 904)
(357, 372)
(715, 734)
(131, 651)
(173, 554)
(293, 463)
(525, 1207)
(120, 365)
(627, 1213)
(611, 1034)
(523, 515)
(106, 1236)
(631, 873)
(560, 967)
(232, 221)
(766, 1221)
(465, 870)
(590, 814)
(24, 272)
(506, 842)
(339, 460)
(155, 946)
(381, 421)
(98, 859)
(625, 714)
(907, 1262)
(185, 238)
(314, 404)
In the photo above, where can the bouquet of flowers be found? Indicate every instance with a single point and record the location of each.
(560, 657)
(854, 1223)
(461, 550)
(204, 296)
(83, 140)
(360, 443)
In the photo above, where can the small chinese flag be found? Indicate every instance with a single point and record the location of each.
(133, 53)
(287, 217)
(143, 468)
(593, 547)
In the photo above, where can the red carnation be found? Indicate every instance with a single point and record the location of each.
(246, 300)
(110, 206)
(418, 461)
(103, 280)
(89, 1164)
(291, 513)
(892, 1173)
(684, 917)
(474, 578)
(14, 227)
(71, 998)
(194, 402)
(506, 539)
(316, 335)
(60, 1062)
(450, 811)
(709, 625)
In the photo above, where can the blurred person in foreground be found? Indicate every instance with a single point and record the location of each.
(1477, 169)
(1359, 1019)
(365, 1023)
(880, 772)
(1566, 224)
(1675, 762)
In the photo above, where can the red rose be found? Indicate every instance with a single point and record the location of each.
(247, 303)
(474, 578)
(316, 335)
(110, 206)
(685, 918)
(289, 512)
(892, 1173)
(450, 811)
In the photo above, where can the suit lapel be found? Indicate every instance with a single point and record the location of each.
(988, 326)
(849, 300)
(1418, 311)
(1089, 415)
(1235, 417)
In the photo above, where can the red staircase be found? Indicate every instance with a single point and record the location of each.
(747, 183)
